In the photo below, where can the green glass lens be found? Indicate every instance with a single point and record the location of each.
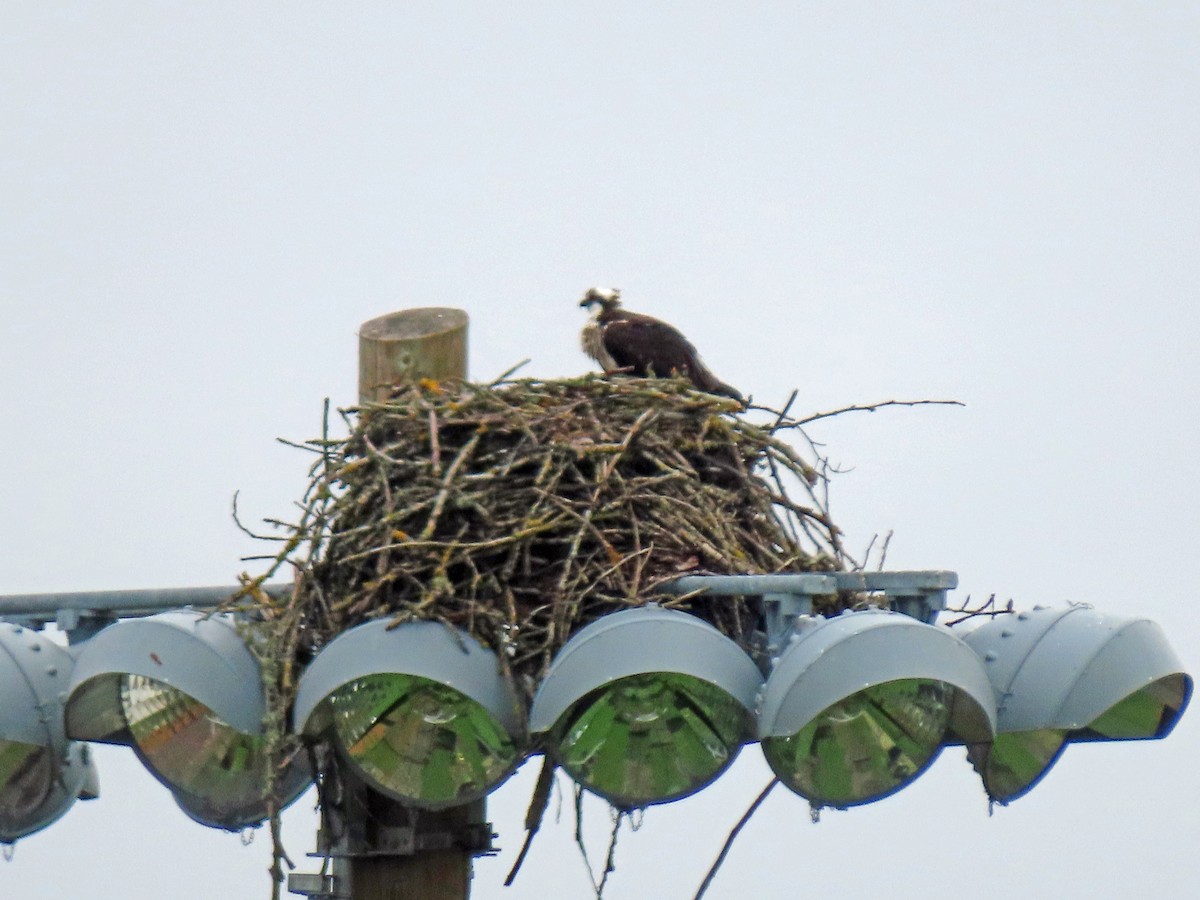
(188, 746)
(865, 746)
(651, 738)
(26, 777)
(1147, 713)
(1017, 759)
(420, 740)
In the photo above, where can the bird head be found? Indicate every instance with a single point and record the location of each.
(606, 298)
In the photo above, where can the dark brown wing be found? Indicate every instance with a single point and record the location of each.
(650, 347)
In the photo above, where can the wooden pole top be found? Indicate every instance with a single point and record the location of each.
(427, 342)
(424, 321)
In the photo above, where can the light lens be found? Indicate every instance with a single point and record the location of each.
(865, 746)
(650, 738)
(1148, 713)
(189, 747)
(420, 740)
(26, 778)
(1017, 760)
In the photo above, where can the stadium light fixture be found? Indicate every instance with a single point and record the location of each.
(1067, 675)
(859, 705)
(646, 705)
(41, 772)
(421, 711)
(185, 692)
(643, 706)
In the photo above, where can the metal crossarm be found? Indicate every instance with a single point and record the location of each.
(786, 597)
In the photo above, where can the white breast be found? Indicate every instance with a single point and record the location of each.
(592, 340)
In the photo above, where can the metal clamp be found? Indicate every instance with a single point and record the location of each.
(475, 838)
(314, 885)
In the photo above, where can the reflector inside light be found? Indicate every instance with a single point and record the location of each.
(185, 691)
(1148, 713)
(650, 738)
(1067, 675)
(27, 774)
(421, 740)
(866, 746)
(1018, 760)
(191, 748)
(41, 772)
(1015, 761)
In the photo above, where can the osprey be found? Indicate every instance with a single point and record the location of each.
(623, 341)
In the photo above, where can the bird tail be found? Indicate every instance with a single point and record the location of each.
(729, 391)
(708, 382)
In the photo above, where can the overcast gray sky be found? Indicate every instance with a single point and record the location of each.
(993, 202)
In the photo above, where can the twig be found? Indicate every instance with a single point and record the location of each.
(579, 838)
(884, 549)
(440, 501)
(712, 872)
(245, 530)
(503, 377)
(779, 419)
(988, 609)
(435, 449)
(871, 407)
(534, 815)
(609, 859)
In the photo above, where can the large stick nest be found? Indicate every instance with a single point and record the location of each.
(520, 511)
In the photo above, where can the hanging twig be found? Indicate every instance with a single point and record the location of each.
(610, 865)
(712, 872)
(587, 863)
(534, 815)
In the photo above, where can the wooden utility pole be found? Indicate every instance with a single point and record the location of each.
(385, 849)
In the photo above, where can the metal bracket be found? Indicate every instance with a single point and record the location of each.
(787, 597)
(781, 612)
(314, 885)
(919, 594)
(81, 624)
(406, 840)
(475, 838)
